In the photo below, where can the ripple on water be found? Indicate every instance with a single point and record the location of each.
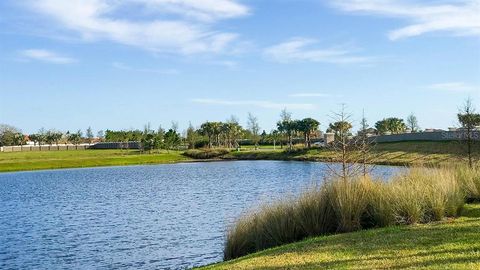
(137, 217)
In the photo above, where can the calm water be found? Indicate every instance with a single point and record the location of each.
(137, 217)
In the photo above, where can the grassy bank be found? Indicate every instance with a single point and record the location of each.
(375, 211)
(406, 153)
(340, 205)
(22, 161)
(401, 153)
(449, 244)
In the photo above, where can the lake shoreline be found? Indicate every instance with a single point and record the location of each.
(161, 217)
(391, 154)
(247, 157)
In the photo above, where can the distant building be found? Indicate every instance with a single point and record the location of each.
(433, 130)
(328, 137)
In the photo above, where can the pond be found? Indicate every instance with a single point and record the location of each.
(137, 217)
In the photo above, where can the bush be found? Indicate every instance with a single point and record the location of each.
(206, 153)
(339, 205)
(314, 213)
(380, 207)
(425, 195)
(470, 182)
(349, 200)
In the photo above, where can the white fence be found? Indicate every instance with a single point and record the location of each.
(28, 148)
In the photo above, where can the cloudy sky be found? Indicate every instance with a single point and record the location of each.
(120, 64)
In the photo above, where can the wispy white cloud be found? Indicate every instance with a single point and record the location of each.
(123, 66)
(301, 50)
(301, 95)
(46, 56)
(458, 17)
(204, 10)
(256, 103)
(454, 87)
(174, 26)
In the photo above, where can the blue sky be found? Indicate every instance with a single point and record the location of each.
(121, 64)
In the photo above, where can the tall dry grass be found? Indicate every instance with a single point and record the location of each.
(418, 195)
(470, 181)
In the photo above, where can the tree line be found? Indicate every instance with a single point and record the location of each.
(10, 135)
(231, 134)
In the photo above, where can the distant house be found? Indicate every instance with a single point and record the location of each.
(433, 130)
(27, 140)
(328, 137)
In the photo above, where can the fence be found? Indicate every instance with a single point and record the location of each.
(426, 136)
(116, 145)
(31, 148)
(64, 147)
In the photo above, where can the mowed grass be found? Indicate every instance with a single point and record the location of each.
(449, 244)
(404, 153)
(42, 160)
(400, 153)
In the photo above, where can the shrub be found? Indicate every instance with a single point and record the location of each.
(276, 225)
(380, 207)
(272, 225)
(470, 182)
(339, 205)
(349, 199)
(241, 238)
(424, 195)
(407, 200)
(206, 153)
(314, 212)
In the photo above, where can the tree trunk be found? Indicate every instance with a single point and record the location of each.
(469, 147)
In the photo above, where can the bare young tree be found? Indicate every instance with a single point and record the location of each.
(282, 126)
(364, 146)
(254, 128)
(89, 134)
(342, 145)
(469, 120)
(285, 115)
(412, 123)
(353, 153)
(191, 136)
(175, 126)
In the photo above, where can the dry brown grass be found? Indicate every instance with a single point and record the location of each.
(419, 195)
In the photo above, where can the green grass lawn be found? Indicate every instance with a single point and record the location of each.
(450, 244)
(22, 161)
(405, 153)
(402, 153)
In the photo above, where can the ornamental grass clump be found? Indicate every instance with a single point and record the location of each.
(423, 195)
(276, 225)
(379, 211)
(240, 239)
(314, 212)
(418, 195)
(285, 221)
(470, 181)
(349, 199)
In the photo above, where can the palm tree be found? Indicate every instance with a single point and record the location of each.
(307, 126)
(288, 127)
(207, 129)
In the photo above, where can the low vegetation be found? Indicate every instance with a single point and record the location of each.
(421, 195)
(399, 153)
(42, 160)
(448, 244)
(404, 153)
(208, 153)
